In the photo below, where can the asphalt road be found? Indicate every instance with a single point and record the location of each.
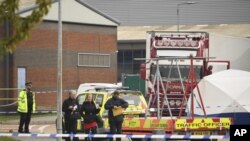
(38, 125)
(46, 128)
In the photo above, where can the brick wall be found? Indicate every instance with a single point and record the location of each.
(38, 55)
(2, 68)
(2, 77)
(2, 85)
(48, 101)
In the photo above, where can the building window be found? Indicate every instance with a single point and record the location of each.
(93, 60)
(21, 77)
(127, 64)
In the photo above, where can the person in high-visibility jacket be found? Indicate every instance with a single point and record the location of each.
(26, 105)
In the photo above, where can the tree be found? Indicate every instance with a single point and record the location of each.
(21, 27)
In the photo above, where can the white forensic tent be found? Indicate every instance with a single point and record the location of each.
(224, 93)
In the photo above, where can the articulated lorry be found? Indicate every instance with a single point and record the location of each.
(175, 63)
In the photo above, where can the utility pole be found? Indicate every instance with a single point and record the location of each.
(59, 73)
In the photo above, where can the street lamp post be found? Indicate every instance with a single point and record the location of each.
(59, 72)
(178, 11)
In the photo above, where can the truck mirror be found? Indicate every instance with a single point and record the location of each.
(143, 71)
(153, 53)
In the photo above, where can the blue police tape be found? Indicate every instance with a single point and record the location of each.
(166, 136)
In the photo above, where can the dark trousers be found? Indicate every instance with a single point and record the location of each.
(71, 128)
(93, 131)
(115, 128)
(24, 121)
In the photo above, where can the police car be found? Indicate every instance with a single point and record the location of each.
(137, 104)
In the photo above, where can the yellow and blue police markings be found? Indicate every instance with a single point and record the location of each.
(203, 123)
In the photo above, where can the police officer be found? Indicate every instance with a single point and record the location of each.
(115, 122)
(71, 111)
(26, 105)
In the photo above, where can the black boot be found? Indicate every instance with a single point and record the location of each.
(20, 130)
(27, 131)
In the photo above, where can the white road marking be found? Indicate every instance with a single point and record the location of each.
(41, 129)
(31, 126)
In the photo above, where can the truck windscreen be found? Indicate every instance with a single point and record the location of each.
(174, 75)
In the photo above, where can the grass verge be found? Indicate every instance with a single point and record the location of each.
(7, 139)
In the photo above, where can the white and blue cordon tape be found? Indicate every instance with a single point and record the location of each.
(166, 136)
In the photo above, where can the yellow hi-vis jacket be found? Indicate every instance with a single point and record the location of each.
(23, 102)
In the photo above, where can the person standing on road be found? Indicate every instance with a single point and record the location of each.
(89, 110)
(71, 114)
(115, 122)
(26, 105)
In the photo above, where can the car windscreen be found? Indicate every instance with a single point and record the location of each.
(131, 98)
(98, 98)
